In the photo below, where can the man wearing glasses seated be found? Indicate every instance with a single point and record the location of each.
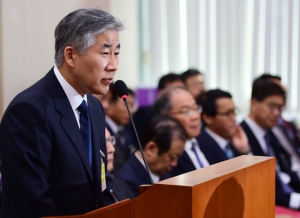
(179, 104)
(221, 138)
(267, 102)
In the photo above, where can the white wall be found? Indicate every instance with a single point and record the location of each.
(27, 39)
(127, 12)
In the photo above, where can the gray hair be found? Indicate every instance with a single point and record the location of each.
(80, 28)
(163, 103)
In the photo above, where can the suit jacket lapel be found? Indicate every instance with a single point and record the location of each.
(210, 148)
(253, 142)
(68, 120)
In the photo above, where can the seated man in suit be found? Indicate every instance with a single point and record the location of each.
(116, 120)
(162, 142)
(221, 138)
(285, 131)
(145, 113)
(52, 132)
(267, 101)
(120, 190)
(194, 82)
(179, 104)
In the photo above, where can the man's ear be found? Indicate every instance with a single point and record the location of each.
(207, 119)
(70, 56)
(254, 104)
(151, 149)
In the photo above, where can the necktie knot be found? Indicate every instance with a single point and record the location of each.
(193, 148)
(83, 108)
(228, 151)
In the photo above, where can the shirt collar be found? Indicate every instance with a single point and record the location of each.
(219, 140)
(74, 97)
(114, 127)
(189, 143)
(256, 129)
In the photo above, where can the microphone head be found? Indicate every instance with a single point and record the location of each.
(121, 89)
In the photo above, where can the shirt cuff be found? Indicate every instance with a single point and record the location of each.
(295, 200)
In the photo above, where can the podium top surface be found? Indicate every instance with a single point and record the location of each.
(214, 171)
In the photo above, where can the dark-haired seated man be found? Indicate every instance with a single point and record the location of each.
(117, 119)
(267, 101)
(162, 142)
(285, 131)
(194, 82)
(221, 138)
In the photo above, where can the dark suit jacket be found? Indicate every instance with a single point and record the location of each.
(121, 190)
(141, 118)
(211, 150)
(282, 160)
(135, 174)
(184, 165)
(44, 162)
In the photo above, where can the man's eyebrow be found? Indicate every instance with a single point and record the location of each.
(108, 45)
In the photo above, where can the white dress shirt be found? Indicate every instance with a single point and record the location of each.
(114, 127)
(74, 97)
(191, 154)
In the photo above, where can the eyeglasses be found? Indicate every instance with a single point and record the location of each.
(188, 110)
(230, 113)
(273, 107)
(111, 139)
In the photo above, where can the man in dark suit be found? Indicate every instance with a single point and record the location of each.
(267, 101)
(52, 134)
(116, 120)
(285, 131)
(179, 104)
(194, 82)
(221, 138)
(162, 142)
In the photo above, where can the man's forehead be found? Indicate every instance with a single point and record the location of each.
(182, 98)
(274, 98)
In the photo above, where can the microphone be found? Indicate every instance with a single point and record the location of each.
(122, 92)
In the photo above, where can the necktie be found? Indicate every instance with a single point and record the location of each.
(120, 135)
(196, 154)
(85, 128)
(114, 196)
(285, 187)
(228, 151)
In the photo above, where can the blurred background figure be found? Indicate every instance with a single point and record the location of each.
(162, 142)
(221, 138)
(120, 190)
(179, 104)
(117, 119)
(267, 102)
(145, 113)
(194, 82)
(104, 99)
(288, 133)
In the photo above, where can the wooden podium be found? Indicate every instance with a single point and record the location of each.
(240, 187)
